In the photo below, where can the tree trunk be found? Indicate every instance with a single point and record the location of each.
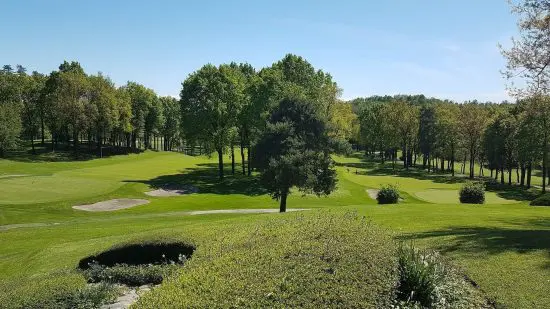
(472, 163)
(517, 174)
(529, 173)
(442, 164)
(496, 174)
(544, 158)
(248, 161)
(220, 163)
(282, 204)
(42, 130)
(405, 156)
(32, 145)
(510, 176)
(522, 178)
(502, 175)
(242, 159)
(232, 159)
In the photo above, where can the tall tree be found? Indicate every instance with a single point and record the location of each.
(293, 152)
(472, 120)
(210, 102)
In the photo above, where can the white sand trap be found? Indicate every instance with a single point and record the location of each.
(112, 205)
(373, 193)
(173, 191)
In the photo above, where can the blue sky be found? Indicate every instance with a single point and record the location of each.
(442, 48)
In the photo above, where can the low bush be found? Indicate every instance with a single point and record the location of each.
(542, 200)
(427, 281)
(388, 194)
(131, 275)
(57, 291)
(472, 193)
(312, 260)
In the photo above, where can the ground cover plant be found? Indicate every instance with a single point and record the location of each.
(543, 200)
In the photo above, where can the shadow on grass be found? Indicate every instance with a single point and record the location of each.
(376, 168)
(205, 179)
(64, 153)
(533, 236)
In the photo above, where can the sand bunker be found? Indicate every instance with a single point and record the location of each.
(172, 190)
(373, 193)
(112, 205)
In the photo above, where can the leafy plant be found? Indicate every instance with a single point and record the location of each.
(472, 193)
(131, 275)
(388, 194)
(427, 281)
(542, 200)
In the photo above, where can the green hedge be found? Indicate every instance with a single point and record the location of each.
(543, 200)
(314, 260)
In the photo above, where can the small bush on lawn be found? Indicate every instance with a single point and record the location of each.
(472, 193)
(427, 281)
(310, 260)
(388, 195)
(543, 200)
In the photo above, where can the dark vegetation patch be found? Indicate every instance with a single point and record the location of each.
(542, 200)
(136, 264)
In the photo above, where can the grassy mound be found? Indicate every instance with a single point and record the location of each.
(543, 200)
(306, 260)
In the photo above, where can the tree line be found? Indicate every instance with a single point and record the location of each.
(495, 137)
(229, 108)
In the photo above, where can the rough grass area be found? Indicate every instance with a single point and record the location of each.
(58, 290)
(307, 260)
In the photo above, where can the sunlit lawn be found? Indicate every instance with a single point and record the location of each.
(503, 245)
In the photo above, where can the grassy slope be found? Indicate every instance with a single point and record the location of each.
(503, 247)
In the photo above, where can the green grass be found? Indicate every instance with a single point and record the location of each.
(503, 245)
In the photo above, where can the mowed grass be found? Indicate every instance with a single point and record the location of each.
(504, 245)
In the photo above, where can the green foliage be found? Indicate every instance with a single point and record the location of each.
(388, 194)
(542, 200)
(66, 291)
(472, 193)
(10, 126)
(427, 281)
(307, 260)
(294, 151)
(131, 275)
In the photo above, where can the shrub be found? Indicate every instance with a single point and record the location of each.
(316, 260)
(388, 195)
(542, 200)
(68, 290)
(472, 193)
(427, 281)
(131, 275)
